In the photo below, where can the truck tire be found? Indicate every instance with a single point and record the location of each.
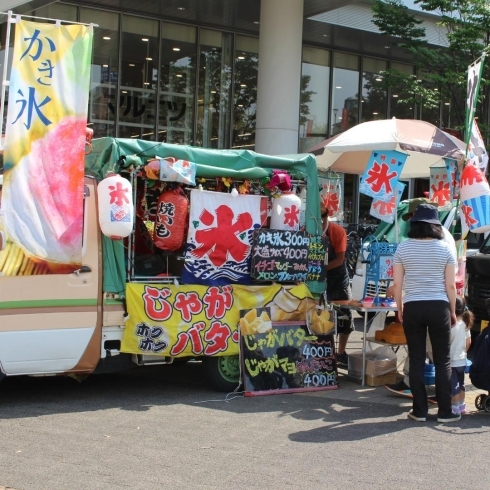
(223, 372)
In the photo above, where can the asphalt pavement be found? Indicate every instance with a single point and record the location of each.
(163, 427)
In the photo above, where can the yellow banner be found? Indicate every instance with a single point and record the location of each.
(183, 321)
(42, 196)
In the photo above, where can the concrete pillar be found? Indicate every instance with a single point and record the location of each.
(279, 77)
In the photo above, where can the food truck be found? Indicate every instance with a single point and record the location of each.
(177, 242)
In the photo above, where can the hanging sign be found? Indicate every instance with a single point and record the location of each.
(440, 186)
(382, 173)
(331, 195)
(453, 177)
(220, 237)
(385, 211)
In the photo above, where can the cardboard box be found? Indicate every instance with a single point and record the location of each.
(385, 379)
(374, 367)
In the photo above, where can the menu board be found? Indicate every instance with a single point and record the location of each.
(288, 359)
(287, 256)
(316, 258)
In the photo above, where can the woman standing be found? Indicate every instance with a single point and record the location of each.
(425, 269)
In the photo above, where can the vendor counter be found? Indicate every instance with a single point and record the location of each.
(364, 311)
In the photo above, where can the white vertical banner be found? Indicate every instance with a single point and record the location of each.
(473, 86)
(45, 140)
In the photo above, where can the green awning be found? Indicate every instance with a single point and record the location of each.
(114, 154)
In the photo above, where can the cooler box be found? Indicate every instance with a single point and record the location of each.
(430, 374)
(378, 371)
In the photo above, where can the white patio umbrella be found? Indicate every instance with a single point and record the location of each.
(425, 144)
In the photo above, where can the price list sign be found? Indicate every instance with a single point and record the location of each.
(287, 256)
(279, 255)
(288, 359)
(316, 259)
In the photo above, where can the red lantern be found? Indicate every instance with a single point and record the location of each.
(170, 220)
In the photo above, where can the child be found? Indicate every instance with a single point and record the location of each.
(460, 343)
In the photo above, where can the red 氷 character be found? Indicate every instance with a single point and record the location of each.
(291, 216)
(156, 307)
(379, 177)
(217, 337)
(221, 242)
(331, 202)
(385, 208)
(442, 193)
(118, 194)
(467, 210)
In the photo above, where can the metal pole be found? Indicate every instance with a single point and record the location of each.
(58, 21)
(5, 82)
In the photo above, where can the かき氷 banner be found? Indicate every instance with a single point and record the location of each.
(45, 140)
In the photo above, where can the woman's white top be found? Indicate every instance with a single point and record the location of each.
(424, 262)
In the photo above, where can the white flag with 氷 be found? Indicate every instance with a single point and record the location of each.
(219, 240)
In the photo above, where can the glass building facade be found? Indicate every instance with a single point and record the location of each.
(184, 84)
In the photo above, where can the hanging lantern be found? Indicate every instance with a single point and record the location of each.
(115, 198)
(475, 199)
(170, 220)
(285, 212)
